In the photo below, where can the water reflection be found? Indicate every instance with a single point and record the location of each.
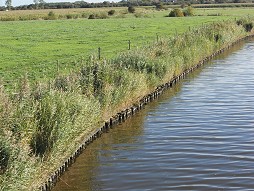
(197, 136)
(104, 153)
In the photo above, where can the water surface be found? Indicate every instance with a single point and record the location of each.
(198, 136)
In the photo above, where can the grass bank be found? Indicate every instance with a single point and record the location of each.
(42, 49)
(43, 123)
(34, 47)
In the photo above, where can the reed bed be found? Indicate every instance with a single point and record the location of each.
(43, 123)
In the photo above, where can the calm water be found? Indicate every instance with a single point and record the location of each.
(198, 136)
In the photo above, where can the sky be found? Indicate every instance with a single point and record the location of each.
(27, 2)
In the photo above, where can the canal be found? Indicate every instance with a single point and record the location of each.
(199, 135)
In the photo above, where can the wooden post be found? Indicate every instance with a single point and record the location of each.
(129, 43)
(99, 53)
(57, 65)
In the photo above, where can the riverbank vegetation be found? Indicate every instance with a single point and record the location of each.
(43, 122)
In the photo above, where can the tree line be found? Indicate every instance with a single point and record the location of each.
(41, 4)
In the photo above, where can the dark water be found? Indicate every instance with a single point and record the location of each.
(198, 136)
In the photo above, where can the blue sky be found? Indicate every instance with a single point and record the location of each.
(27, 2)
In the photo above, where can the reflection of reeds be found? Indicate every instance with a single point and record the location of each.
(42, 124)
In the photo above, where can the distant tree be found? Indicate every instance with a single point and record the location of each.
(131, 9)
(220, 1)
(189, 11)
(111, 12)
(51, 16)
(41, 3)
(36, 2)
(8, 4)
(106, 4)
(176, 13)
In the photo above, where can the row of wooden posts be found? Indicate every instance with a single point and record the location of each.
(129, 46)
(122, 116)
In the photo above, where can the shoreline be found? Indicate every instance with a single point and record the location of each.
(127, 113)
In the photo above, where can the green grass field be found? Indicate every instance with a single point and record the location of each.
(33, 47)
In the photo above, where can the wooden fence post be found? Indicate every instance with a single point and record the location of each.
(57, 65)
(99, 53)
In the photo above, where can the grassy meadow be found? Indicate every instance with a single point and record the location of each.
(42, 48)
(43, 122)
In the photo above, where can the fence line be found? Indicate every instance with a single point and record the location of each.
(45, 68)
